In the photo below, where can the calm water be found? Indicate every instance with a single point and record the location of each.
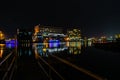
(44, 49)
(103, 63)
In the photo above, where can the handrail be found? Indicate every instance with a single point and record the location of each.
(6, 58)
(11, 75)
(79, 68)
(44, 70)
(52, 68)
(5, 75)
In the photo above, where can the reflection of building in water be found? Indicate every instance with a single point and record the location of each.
(10, 43)
(74, 47)
(44, 49)
(2, 47)
(24, 49)
(39, 49)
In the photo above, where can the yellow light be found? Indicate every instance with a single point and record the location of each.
(1, 53)
(46, 45)
(1, 36)
(44, 49)
(116, 36)
(1, 49)
(37, 29)
(67, 44)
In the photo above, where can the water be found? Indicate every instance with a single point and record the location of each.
(99, 62)
(5, 49)
(28, 55)
(45, 49)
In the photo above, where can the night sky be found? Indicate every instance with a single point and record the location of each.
(93, 17)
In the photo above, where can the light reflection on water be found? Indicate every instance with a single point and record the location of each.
(10, 46)
(74, 47)
(24, 49)
(44, 49)
(5, 49)
(2, 47)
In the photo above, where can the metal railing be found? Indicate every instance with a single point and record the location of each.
(50, 68)
(5, 58)
(78, 68)
(7, 71)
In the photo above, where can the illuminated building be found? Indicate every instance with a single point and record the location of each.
(51, 29)
(37, 36)
(91, 40)
(24, 36)
(46, 33)
(74, 35)
(37, 29)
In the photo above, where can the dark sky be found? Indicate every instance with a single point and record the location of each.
(93, 17)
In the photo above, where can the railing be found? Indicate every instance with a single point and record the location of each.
(78, 68)
(9, 70)
(5, 58)
(50, 68)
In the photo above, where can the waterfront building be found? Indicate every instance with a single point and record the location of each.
(46, 33)
(74, 35)
(24, 36)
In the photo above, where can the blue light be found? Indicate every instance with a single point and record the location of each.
(54, 43)
(11, 41)
(50, 45)
(10, 45)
